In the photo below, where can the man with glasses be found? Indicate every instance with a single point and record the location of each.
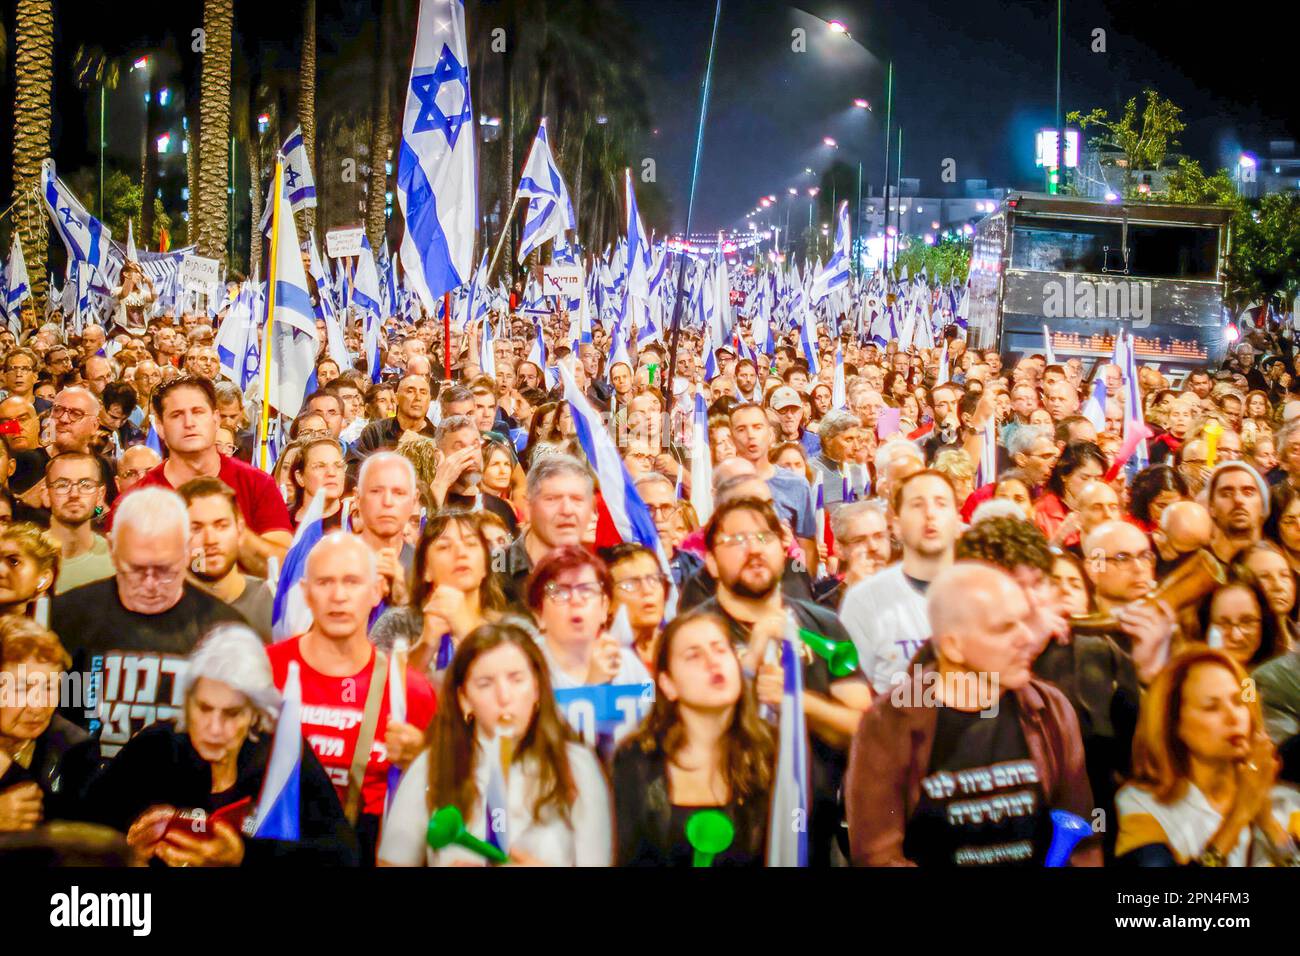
(747, 558)
(74, 495)
(21, 369)
(133, 464)
(136, 630)
(58, 362)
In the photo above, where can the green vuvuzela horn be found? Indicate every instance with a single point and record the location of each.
(447, 826)
(842, 656)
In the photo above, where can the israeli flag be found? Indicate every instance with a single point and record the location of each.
(435, 163)
(1094, 409)
(299, 184)
(238, 348)
(290, 615)
(487, 358)
(701, 462)
(334, 343)
(638, 250)
(291, 365)
(495, 795)
(278, 807)
(787, 836)
(86, 239)
(839, 399)
(396, 709)
(365, 284)
(550, 211)
(16, 286)
(1134, 420)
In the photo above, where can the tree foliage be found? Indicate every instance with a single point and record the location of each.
(945, 261)
(1144, 138)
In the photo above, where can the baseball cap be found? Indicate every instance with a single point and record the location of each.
(785, 397)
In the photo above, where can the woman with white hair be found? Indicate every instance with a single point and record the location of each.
(183, 792)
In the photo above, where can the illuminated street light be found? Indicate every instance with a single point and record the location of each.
(1246, 161)
(828, 141)
(862, 104)
(813, 190)
(835, 26)
(793, 191)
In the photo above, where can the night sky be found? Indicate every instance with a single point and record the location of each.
(973, 80)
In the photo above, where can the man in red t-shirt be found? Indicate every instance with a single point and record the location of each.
(185, 411)
(337, 662)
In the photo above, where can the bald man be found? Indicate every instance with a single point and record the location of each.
(1097, 503)
(961, 763)
(1185, 527)
(337, 664)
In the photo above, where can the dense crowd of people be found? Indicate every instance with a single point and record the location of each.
(1086, 627)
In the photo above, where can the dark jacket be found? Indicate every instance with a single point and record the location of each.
(63, 762)
(643, 815)
(890, 756)
(159, 765)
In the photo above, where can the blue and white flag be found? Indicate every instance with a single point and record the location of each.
(638, 248)
(487, 357)
(839, 398)
(496, 807)
(299, 184)
(1134, 420)
(17, 287)
(787, 836)
(290, 368)
(86, 239)
(435, 164)
(550, 211)
(701, 462)
(280, 803)
(238, 340)
(835, 274)
(1094, 409)
(290, 615)
(629, 513)
(335, 344)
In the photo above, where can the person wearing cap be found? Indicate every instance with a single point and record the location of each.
(789, 413)
(1237, 499)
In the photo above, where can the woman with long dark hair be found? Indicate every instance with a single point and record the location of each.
(701, 747)
(1238, 620)
(557, 809)
(1054, 511)
(453, 593)
(1153, 490)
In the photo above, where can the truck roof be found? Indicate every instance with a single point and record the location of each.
(1077, 206)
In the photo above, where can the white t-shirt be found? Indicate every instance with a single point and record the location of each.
(1188, 823)
(886, 618)
(586, 840)
(630, 669)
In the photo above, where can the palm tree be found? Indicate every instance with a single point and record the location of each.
(214, 128)
(34, 70)
(381, 132)
(307, 103)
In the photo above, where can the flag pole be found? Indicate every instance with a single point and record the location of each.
(446, 335)
(690, 209)
(264, 427)
(510, 216)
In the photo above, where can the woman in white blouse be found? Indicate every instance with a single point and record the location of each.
(556, 795)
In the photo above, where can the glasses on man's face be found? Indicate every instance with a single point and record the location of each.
(573, 593)
(28, 369)
(162, 574)
(63, 486)
(131, 474)
(759, 539)
(67, 413)
(647, 582)
(662, 511)
(1126, 559)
